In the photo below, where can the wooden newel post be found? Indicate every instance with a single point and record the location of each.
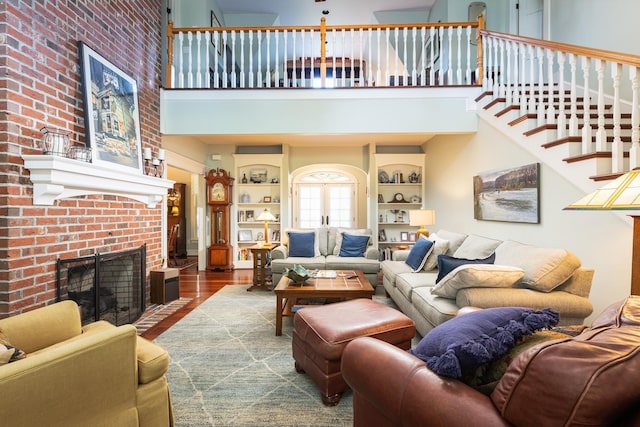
(168, 74)
(481, 24)
(323, 52)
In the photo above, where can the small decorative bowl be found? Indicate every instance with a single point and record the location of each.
(297, 274)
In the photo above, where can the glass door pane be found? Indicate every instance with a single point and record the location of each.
(310, 205)
(339, 202)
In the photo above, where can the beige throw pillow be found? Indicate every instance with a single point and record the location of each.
(477, 276)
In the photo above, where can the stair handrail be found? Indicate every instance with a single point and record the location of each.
(518, 82)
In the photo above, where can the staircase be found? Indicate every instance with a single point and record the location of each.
(562, 153)
(539, 94)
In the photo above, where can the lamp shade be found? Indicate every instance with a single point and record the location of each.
(419, 217)
(422, 217)
(266, 216)
(623, 193)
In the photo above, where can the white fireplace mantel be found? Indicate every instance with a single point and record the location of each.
(56, 178)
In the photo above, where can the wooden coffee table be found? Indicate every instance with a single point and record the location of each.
(348, 284)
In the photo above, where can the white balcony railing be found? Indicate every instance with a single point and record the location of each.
(323, 56)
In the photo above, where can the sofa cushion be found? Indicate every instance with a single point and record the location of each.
(446, 264)
(407, 282)
(366, 265)
(475, 247)
(353, 245)
(391, 270)
(434, 309)
(440, 247)
(477, 276)
(301, 244)
(336, 233)
(418, 254)
(455, 239)
(581, 381)
(544, 268)
(320, 239)
(458, 346)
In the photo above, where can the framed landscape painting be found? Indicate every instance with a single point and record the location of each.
(510, 195)
(111, 114)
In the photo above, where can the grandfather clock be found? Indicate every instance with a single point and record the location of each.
(219, 186)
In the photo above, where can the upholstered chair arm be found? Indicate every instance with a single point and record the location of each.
(411, 393)
(400, 255)
(279, 252)
(372, 253)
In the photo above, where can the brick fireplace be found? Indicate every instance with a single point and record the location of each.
(107, 287)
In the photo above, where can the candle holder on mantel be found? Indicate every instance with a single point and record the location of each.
(153, 166)
(55, 143)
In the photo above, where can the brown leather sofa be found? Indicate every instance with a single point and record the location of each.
(590, 379)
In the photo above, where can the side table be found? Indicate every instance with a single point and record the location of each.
(261, 255)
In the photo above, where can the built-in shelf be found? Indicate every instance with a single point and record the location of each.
(56, 178)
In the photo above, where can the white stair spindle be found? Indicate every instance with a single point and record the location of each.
(532, 79)
(242, 73)
(586, 127)
(573, 119)
(181, 57)
(634, 151)
(562, 115)
(508, 91)
(467, 74)
(190, 66)
(199, 59)
(601, 133)
(551, 109)
(541, 87)
(414, 70)
(251, 75)
(449, 56)
(524, 93)
(617, 148)
(267, 75)
(432, 61)
(225, 72)
(459, 56)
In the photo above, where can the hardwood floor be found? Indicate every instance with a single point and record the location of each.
(199, 285)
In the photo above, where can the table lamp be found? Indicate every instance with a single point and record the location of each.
(422, 218)
(623, 193)
(266, 216)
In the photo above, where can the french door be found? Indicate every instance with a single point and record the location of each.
(324, 204)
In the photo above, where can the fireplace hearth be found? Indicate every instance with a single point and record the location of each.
(118, 277)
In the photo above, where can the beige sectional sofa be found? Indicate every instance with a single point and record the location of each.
(326, 254)
(521, 275)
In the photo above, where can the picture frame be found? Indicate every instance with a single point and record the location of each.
(509, 195)
(380, 198)
(258, 175)
(266, 199)
(216, 41)
(404, 236)
(111, 112)
(382, 236)
(245, 236)
(412, 237)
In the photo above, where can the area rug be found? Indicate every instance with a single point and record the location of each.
(157, 312)
(229, 369)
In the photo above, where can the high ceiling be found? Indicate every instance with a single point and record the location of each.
(309, 12)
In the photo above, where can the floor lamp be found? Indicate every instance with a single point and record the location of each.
(623, 193)
(267, 217)
(422, 218)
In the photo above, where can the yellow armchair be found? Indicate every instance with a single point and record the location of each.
(99, 375)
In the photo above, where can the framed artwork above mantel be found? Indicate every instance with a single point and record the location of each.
(111, 113)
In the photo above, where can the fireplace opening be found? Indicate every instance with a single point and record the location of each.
(107, 287)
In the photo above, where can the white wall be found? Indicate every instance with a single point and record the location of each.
(609, 25)
(602, 240)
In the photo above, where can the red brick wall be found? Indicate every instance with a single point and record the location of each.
(40, 86)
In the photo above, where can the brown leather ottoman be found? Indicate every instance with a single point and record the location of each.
(321, 333)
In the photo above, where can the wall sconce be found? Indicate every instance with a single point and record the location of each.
(422, 218)
(153, 165)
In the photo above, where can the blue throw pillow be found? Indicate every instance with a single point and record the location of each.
(353, 245)
(458, 346)
(446, 263)
(302, 244)
(419, 253)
